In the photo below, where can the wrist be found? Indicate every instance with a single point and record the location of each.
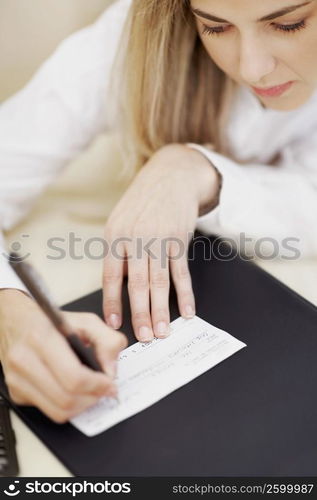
(15, 309)
(207, 179)
(11, 293)
(10, 299)
(203, 177)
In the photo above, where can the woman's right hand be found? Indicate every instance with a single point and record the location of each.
(42, 370)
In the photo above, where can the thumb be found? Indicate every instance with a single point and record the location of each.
(107, 342)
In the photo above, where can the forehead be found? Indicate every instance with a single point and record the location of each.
(251, 10)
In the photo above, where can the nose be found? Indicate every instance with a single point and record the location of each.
(256, 61)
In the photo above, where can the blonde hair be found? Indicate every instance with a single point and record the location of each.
(169, 89)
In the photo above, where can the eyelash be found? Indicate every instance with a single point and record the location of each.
(286, 28)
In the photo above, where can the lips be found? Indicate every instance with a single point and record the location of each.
(275, 91)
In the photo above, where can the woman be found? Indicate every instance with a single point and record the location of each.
(216, 102)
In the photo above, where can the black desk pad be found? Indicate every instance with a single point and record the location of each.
(254, 414)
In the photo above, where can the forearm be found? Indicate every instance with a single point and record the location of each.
(265, 202)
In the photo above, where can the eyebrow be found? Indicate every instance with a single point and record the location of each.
(269, 17)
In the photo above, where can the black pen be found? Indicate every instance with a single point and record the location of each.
(35, 285)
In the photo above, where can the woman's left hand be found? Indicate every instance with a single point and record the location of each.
(151, 227)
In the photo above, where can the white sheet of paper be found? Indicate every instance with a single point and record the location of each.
(147, 372)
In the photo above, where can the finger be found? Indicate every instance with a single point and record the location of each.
(41, 378)
(159, 290)
(24, 393)
(182, 281)
(138, 289)
(112, 285)
(108, 343)
(63, 363)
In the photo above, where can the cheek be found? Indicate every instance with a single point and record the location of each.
(224, 56)
(296, 53)
(304, 57)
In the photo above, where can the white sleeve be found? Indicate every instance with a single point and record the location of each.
(55, 116)
(8, 278)
(268, 202)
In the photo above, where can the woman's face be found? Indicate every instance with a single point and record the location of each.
(268, 45)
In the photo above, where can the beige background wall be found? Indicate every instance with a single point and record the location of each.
(31, 29)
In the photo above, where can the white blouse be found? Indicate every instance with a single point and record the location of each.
(64, 107)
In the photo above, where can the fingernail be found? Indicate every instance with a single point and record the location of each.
(114, 320)
(145, 334)
(189, 311)
(161, 329)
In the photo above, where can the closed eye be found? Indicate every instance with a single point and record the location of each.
(215, 30)
(285, 28)
(290, 28)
